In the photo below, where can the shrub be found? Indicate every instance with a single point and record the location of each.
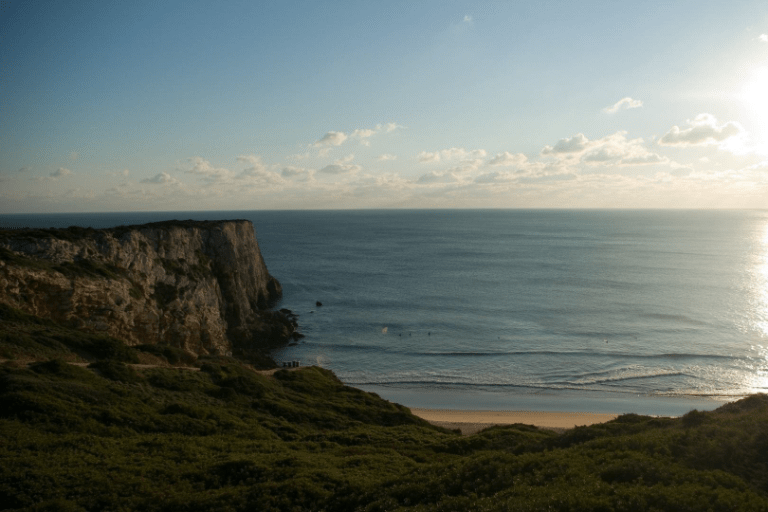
(116, 370)
(173, 355)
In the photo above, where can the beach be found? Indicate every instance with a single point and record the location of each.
(470, 422)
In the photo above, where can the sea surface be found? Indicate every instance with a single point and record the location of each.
(655, 312)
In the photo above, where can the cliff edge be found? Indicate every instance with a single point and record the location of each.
(197, 285)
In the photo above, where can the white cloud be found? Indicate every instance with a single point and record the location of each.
(467, 166)
(467, 18)
(451, 154)
(258, 173)
(763, 38)
(605, 153)
(297, 173)
(759, 166)
(426, 157)
(249, 159)
(61, 172)
(363, 135)
(433, 177)
(290, 172)
(124, 173)
(386, 156)
(614, 149)
(496, 177)
(73, 155)
(331, 139)
(340, 168)
(702, 130)
(161, 178)
(575, 144)
(388, 127)
(623, 104)
(506, 159)
(617, 149)
(202, 167)
(526, 172)
(261, 176)
(644, 159)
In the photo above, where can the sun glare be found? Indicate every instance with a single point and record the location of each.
(754, 95)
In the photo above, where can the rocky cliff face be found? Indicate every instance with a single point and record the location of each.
(197, 285)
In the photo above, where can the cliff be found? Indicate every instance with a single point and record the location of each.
(198, 285)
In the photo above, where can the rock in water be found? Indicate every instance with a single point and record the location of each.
(197, 285)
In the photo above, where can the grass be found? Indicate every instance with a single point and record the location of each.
(225, 438)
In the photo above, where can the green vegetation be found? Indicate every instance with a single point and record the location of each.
(24, 336)
(72, 233)
(77, 268)
(223, 437)
(172, 355)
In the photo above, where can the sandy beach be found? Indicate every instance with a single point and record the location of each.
(470, 422)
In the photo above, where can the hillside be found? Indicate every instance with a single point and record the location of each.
(223, 437)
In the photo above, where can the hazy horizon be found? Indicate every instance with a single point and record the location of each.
(114, 107)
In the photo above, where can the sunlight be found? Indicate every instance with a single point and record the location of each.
(754, 95)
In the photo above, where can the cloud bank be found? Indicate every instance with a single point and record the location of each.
(613, 170)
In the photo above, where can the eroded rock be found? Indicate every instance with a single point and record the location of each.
(198, 285)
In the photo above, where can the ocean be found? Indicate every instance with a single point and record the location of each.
(653, 312)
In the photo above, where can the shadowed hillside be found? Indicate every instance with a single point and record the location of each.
(111, 436)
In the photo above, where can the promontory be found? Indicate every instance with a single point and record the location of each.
(201, 286)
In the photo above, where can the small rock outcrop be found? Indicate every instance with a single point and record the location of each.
(198, 285)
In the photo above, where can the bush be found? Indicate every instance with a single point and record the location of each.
(59, 368)
(172, 355)
(175, 380)
(116, 370)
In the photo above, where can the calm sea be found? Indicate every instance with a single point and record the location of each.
(654, 312)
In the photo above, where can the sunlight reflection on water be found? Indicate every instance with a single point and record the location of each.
(758, 317)
(759, 284)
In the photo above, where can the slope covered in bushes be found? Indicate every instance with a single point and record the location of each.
(223, 437)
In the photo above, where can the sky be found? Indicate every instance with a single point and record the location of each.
(198, 105)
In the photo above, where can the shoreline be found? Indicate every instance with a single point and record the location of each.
(470, 422)
(567, 402)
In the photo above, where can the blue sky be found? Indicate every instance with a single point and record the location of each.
(123, 106)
